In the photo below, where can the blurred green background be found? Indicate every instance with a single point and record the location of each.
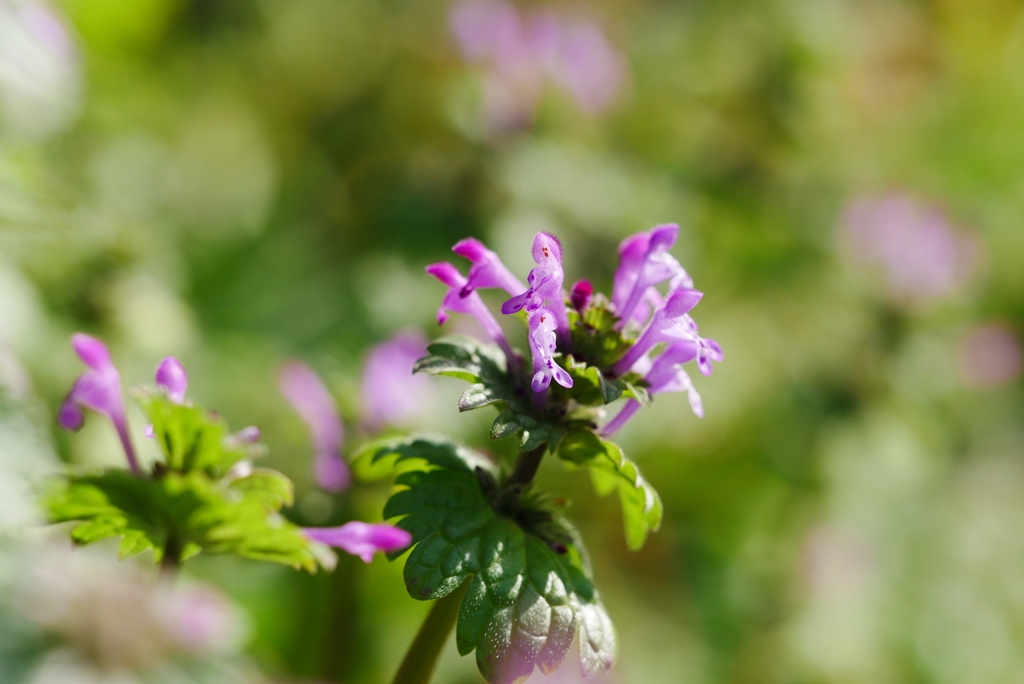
(239, 181)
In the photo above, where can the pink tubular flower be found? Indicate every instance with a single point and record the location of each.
(672, 323)
(469, 303)
(97, 389)
(307, 394)
(171, 375)
(645, 262)
(361, 539)
(487, 269)
(545, 285)
(391, 394)
(542, 345)
(666, 375)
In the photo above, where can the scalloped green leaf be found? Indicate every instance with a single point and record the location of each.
(525, 601)
(469, 359)
(611, 470)
(392, 455)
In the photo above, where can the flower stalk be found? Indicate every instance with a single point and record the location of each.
(421, 658)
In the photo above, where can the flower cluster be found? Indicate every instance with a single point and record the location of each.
(521, 52)
(650, 331)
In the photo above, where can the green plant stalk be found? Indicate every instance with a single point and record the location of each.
(172, 555)
(526, 467)
(421, 658)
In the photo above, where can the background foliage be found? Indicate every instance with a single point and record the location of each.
(237, 181)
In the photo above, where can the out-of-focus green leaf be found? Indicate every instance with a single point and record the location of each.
(641, 505)
(202, 514)
(190, 437)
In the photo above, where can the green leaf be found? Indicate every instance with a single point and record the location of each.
(190, 437)
(525, 600)
(483, 364)
(641, 505)
(392, 455)
(238, 517)
(269, 487)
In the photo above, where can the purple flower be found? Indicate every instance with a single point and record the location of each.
(990, 356)
(361, 539)
(97, 389)
(545, 285)
(313, 402)
(170, 375)
(588, 67)
(666, 374)
(580, 295)
(542, 345)
(644, 261)
(923, 256)
(521, 53)
(672, 323)
(470, 303)
(391, 394)
(487, 269)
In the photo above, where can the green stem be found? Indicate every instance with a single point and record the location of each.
(421, 658)
(526, 467)
(172, 555)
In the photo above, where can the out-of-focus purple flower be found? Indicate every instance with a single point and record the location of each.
(580, 295)
(520, 53)
(588, 67)
(171, 375)
(361, 539)
(672, 323)
(201, 619)
(487, 269)
(923, 256)
(391, 394)
(990, 356)
(545, 285)
(97, 389)
(307, 394)
(542, 345)
(469, 303)
(644, 263)
(666, 374)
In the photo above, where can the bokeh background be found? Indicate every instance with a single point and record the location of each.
(237, 182)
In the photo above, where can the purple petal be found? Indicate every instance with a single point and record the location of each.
(248, 435)
(516, 304)
(391, 394)
(541, 380)
(69, 416)
(170, 375)
(681, 302)
(547, 249)
(148, 431)
(313, 402)
(91, 351)
(361, 539)
(487, 269)
(331, 473)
